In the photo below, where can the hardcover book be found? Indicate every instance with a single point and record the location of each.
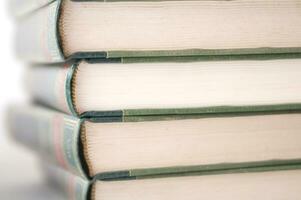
(276, 185)
(88, 88)
(66, 29)
(136, 147)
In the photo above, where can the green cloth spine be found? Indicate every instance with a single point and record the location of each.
(201, 170)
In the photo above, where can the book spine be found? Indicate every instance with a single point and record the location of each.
(37, 35)
(52, 86)
(54, 136)
(69, 185)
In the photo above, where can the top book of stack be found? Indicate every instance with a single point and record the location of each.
(59, 30)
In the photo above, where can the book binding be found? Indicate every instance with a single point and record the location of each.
(70, 186)
(38, 37)
(53, 135)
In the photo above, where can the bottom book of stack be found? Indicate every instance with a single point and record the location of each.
(198, 156)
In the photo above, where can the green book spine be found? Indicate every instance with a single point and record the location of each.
(69, 185)
(54, 136)
(202, 170)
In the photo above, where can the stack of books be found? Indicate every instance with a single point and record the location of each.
(155, 100)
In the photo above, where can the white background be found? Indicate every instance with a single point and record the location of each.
(20, 177)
